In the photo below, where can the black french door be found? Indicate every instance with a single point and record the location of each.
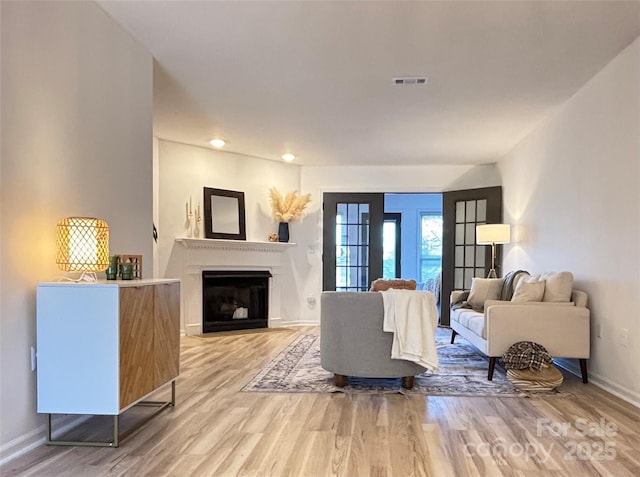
(352, 237)
(462, 259)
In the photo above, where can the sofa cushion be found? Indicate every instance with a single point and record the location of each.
(529, 289)
(472, 320)
(483, 289)
(558, 286)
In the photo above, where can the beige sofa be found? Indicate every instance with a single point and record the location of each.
(563, 328)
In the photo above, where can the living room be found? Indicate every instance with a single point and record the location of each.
(78, 139)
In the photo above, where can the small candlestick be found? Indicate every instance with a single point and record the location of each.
(196, 226)
(187, 219)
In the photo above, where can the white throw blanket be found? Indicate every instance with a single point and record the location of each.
(412, 317)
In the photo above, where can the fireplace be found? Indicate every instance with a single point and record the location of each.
(234, 300)
(192, 256)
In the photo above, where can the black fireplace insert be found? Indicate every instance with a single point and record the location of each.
(234, 300)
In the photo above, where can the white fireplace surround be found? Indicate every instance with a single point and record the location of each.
(197, 255)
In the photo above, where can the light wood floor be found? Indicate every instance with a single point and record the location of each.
(215, 430)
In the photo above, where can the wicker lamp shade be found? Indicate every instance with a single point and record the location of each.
(82, 244)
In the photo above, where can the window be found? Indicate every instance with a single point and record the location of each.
(391, 241)
(430, 254)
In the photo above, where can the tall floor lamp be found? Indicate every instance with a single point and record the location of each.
(492, 234)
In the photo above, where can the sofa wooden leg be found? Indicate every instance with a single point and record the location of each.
(340, 380)
(492, 366)
(583, 370)
(453, 335)
(407, 382)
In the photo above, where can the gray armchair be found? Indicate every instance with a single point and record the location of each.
(352, 342)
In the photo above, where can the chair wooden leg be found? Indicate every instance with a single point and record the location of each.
(407, 382)
(583, 370)
(340, 380)
(492, 366)
(453, 335)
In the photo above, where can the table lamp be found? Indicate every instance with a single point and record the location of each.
(82, 246)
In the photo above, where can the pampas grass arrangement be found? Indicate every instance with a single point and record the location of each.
(288, 208)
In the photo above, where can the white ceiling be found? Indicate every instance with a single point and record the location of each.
(315, 78)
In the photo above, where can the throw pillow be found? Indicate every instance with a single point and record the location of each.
(529, 289)
(558, 286)
(521, 276)
(399, 284)
(509, 283)
(483, 289)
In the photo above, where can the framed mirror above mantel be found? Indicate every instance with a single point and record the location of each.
(224, 214)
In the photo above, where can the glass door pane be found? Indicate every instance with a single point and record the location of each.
(352, 247)
(469, 258)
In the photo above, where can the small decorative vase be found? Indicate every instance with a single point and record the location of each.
(112, 271)
(283, 232)
(126, 271)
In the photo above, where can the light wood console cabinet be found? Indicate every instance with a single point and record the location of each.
(103, 347)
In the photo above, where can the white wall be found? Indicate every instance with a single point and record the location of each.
(572, 190)
(76, 140)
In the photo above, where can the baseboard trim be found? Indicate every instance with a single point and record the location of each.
(619, 391)
(299, 323)
(275, 322)
(193, 330)
(36, 437)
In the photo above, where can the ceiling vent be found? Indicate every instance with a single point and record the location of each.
(402, 80)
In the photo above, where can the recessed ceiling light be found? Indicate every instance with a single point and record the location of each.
(217, 143)
(288, 157)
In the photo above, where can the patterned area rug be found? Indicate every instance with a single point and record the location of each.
(462, 372)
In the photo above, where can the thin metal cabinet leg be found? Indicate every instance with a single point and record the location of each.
(48, 427)
(116, 430)
(117, 437)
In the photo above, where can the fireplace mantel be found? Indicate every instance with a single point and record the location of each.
(236, 245)
(195, 255)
